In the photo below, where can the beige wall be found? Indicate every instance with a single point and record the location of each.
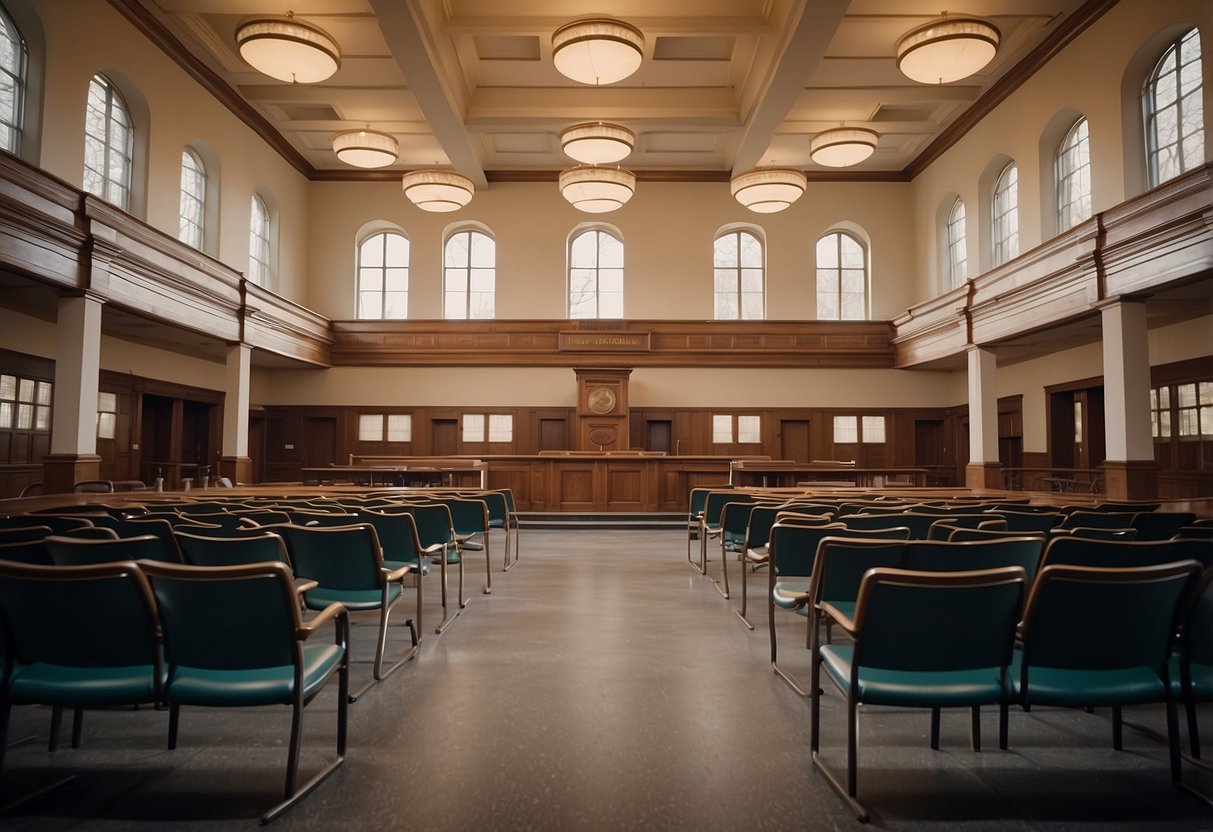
(85, 37)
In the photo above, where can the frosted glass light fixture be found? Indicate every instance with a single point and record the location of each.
(438, 191)
(288, 49)
(768, 190)
(843, 146)
(597, 51)
(365, 148)
(597, 143)
(597, 190)
(947, 49)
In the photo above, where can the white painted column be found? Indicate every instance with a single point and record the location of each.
(236, 401)
(77, 375)
(1126, 374)
(983, 405)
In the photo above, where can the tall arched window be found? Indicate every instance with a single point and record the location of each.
(383, 276)
(1073, 171)
(738, 265)
(193, 199)
(1174, 111)
(13, 61)
(1005, 216)
(958, 258)
(595, 275)
(842, 278)
(259, 243)
(108, 144)
(469, 262)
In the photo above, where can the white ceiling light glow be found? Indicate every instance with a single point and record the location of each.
(597, 51)
(768, 190)
(946, 50)
(438, 191)
(597, 143)
(365, 148)
(288, 49)
(843, 147)
(597, 190)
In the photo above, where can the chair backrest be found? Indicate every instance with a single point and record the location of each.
(717, 500)
(93, 487)
(1030, 521)
(162, 529)
(397, 535)
(964, 521)
(734, 520)
(227, 617)
(198, 550)
(936, 556)
(26, 551)
(900, 613)
(72, 551)
(1093, 618)
(1124, 506)
(201, 507)
(1194, 533)
(91, 533)
(23, 534)
(959, 535)
(469, 516)
(792, 517)
(1161, 525)
(326, 519)
(1098, 519)
(99, 615)
(1097, 533)
(758, 529)
(499, 509)
(57, 523)
(1197, 616)
(698, 498)
(842, 561)
(918, 524)
(336, 557)
(793, 547)
(434, 523)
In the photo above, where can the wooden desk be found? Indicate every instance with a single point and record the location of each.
(781, 475)
(399, 475)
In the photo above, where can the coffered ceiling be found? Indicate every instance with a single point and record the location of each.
(726, 85)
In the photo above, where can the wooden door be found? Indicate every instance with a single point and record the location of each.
(657, 435)
(319, 441)
(444, 437)
(794, 440)
(553, 435)
(256, 449)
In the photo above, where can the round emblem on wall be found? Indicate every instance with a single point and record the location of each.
(601, 400)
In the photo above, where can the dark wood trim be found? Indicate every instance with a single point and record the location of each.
(209, 80)
(1057, 40)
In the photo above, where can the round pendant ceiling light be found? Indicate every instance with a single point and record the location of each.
(597, 190)
(597, 143)
(597, 51)
(947, 49)
(288, 49)
(768, 190)
(843, 146)
(365, 148)
(438, 190)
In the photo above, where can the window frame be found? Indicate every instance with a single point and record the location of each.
(114, 111)
(837, 273)
(15, 130)
(385, 269)
(192, 231)
(1151, 112)
(259, 244)
(1072, 175)
(597, 293)
(735, 296)
(464, 297)
(957, 244)
(1004, 216)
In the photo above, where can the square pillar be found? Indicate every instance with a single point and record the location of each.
(234, 461)
(73, 453)
(1130, 469)
(984, 469)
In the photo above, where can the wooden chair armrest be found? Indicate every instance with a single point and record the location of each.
(396, 574)
(304, 585)
(334, 611)
(844, 621)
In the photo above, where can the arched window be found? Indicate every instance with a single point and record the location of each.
(1073, 171)
(738, 265)
(1174, 111)
(13, 61)
(469, 262)
(842, 278)
(1005, 215)
(259, 243)
(193, 199)
(595, 275)
(108, 144)
(383, 276)
(958, 259)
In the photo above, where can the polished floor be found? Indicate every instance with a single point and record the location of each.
(603, 685)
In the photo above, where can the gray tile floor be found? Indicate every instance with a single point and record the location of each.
(602, 686)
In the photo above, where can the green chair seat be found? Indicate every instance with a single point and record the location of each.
(255, 686)
(355, 600)
(917, 688)
(1080, 688)
(55, 684)
(786, 594)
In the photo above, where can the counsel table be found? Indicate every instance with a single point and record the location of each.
(450, 476)
(783, 475)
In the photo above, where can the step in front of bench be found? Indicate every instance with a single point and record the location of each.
(643, 521)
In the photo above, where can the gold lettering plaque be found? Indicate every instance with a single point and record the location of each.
(604, 341)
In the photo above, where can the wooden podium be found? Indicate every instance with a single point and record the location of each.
(602, 409)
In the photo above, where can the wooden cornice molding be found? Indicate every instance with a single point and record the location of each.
(208, 79)
(1069, 28)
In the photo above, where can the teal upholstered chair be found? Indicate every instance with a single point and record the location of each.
(24, 534)
(918, 524)
(74, 551)
(26, 551)
(1095, 636)
(401, 547)
(795, 558)
(709, 519)
(697, 502)
(58, 524)
(1098, 519)
(1022, 520)
(1161, 525)
(734, 532)
(897, 656)
(1192, 665)
(436, 533)
(470, 519)
(501, 517)
(1079, 551)
(76, 637)
(260, 547)
(754, 552)
(955, 556)
(233, 637)
(346, 562)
